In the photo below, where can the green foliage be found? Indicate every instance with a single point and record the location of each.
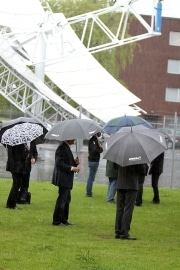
(29, 241)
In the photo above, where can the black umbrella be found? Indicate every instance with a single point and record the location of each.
(134, 145)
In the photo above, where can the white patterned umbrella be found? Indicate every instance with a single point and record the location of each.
(21, 133)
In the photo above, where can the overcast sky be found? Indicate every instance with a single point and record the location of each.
(170, 8)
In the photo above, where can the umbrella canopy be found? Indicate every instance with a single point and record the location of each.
(21, 133)
(113, 125)
(18, 131)
(73, 129)
(134, 145)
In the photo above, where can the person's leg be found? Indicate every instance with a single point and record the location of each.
(111, 189)
(120, 204)
(130, 198)
(59, 210)
(24, 188)
(93, 166)
(12, 198)
(140, 191)
(155, 180)
(66, 210)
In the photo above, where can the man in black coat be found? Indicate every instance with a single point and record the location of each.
(63, 176)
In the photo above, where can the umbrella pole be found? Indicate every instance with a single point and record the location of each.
(76, 149)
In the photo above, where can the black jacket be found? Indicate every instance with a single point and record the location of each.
(157, 165)
(64, 160)
(128, 176)
(16, 159)
(94, 150)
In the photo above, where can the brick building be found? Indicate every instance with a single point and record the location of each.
(154, 75)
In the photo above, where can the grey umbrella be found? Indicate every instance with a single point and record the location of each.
(134, 145)
(73, 129)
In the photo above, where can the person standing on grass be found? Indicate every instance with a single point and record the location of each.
(94, 150)
(156, 169)
(63, 176)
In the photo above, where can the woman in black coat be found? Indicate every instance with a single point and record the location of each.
(63, 175)
(16, 165)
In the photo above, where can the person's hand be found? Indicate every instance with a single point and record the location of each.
(75, 169)
(33, 161)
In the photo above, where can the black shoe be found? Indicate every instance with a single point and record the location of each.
(128, 238)
(117, 236)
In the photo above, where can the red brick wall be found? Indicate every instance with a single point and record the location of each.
(147, 77)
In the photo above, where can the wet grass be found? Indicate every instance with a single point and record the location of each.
(29, 241)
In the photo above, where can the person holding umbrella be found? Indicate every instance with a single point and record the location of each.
(130, 148)
(63, 175)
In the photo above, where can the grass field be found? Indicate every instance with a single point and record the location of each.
(30, 242)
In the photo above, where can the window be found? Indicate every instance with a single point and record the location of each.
(172, 94)
(174, 39)
(173, 66)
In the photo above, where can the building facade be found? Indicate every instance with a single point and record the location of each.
(154, 75)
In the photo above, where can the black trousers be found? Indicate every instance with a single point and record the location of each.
(140, 190)
(124, 211)
(61, 210)
(155, 180)
(12, 198)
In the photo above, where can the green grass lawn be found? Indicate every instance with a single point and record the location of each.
(28, 240)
